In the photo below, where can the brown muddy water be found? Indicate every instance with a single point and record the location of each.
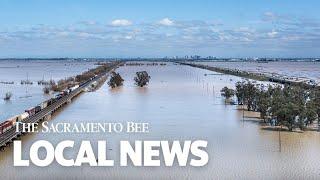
(180, 103)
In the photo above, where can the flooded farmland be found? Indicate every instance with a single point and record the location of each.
(180, 103)
(300, 69)
(26, 96)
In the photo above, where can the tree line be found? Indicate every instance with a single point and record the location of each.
(289, 106)
(80, 78)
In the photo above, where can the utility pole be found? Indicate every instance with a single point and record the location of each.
(279, 137)
(243, 107)
(207, 88)
(213, 90)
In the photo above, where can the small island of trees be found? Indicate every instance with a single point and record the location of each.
(289, 106)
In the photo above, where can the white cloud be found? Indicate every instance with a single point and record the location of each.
(84, 35)
(272, 34)
(279, 29)
(166, 22)
(128, 37)
(63, 33)
(121, 22)
(270, 16)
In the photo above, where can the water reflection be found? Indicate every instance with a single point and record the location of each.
(141, 90)
(116, 90)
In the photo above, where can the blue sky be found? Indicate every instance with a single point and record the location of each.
(141, 28)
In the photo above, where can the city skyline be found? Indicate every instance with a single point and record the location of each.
(157, 29)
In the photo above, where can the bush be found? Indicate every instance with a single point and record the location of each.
(7, 96)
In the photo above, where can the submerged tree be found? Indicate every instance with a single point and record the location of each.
(115, 80)
(7, 96)
(227, 93)
(310, 113)
(288, 105)
(250, 92)
(263, 101)
(316, 100)
(240, 92)
(46, 90)
(142, 78)
(246, 93)
(313, 107)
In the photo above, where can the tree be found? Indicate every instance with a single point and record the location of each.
(227, 93)
(142, 78)
(46, 90)
(276, 100)
(240, 92)
(314, 106)
(249, 95)
(310, 113)
(316, 100)
(263, 101)
(285, 115)
(7, 96)
(291, 106)
(115, 80)
(246, 93)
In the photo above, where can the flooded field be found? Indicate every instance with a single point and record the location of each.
(180, 103)
(26, 96)
(306, 69)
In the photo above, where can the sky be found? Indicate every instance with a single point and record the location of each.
(153, 28)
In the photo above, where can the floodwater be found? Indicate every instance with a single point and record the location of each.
(302, 69)
(26, 96)
(180, 103)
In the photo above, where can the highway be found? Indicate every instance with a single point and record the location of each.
(12, 134)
